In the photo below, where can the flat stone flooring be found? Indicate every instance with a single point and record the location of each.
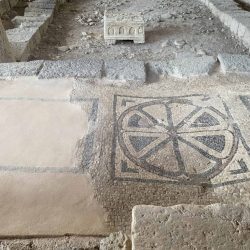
(42, 190)
(77, 155)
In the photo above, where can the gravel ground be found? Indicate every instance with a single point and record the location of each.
(172, 27)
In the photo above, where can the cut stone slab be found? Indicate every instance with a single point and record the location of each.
(13, 70)
(6, 53)
(234, 63)
(191, 66)
(23, 40)
(84, 68)
(182, 67)
(191, 227)
(125, 70)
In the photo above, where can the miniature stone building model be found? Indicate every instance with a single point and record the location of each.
(123, 26)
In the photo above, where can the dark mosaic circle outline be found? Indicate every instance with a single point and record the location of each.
(209, 174)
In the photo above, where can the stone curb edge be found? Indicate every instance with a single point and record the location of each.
(232, 16)
(127, 70)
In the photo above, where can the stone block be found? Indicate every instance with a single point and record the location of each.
(14, 70)
(234, 63)
(125, 70)
(123, 26)
(191, 66)
(23, 40)
(191, 227)
(85, 68)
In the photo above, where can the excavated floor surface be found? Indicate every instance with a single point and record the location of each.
(171, 27)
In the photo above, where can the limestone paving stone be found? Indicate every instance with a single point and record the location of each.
(231, 63)
(85, 68)
(191, 227)
(127, 70)
(13, 70)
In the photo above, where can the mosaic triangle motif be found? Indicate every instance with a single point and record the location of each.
(140, 142)
(242, 168)
(205, 120)
(134, 121)
(215, 142)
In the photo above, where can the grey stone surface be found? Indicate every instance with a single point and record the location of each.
(127, 70)
(40, 22)
(6, 54)
(84, 68)
(23, 40)
(216, 226)
(191, 66)
(234, 63)
(116, 241)
(13, 70)
(181, 67)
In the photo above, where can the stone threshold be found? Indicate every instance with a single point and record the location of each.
(232, 16)
(128, 71)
